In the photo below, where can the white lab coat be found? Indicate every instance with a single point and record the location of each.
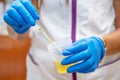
(94, 18)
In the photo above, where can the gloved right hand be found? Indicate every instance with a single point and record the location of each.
(21, 15)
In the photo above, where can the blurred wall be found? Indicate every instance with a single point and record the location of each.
(13, 58)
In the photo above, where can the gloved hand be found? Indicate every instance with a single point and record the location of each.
(85, 55)
(21, 15)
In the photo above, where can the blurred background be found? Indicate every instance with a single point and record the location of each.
(13, 49)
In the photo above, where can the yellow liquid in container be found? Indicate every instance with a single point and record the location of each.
(61, 68)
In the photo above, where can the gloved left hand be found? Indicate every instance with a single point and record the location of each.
(85, 55)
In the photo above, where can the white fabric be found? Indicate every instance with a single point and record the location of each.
(3, 26)
(94, 18)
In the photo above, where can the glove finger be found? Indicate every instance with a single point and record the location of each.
(24, 13)
(16, 16)
(22, 29)
(77, 42)
(10, 21)
(82, 65)
(75, 48)
(90, 69)
(75, 58)
(28, 5)
(17, 27)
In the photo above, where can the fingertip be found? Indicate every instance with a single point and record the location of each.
(70, 70)
(36, 14)
(4, 17)
(32, 22)
(65, 52)
(37, 17)
(9, 10)
(65, 61)
(8, 20)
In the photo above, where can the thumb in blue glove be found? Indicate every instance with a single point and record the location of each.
(21, 15)
(86, 55)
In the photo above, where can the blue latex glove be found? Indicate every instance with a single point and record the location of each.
(21, 15)
(85, 53)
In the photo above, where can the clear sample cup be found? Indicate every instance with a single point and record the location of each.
(56, 51)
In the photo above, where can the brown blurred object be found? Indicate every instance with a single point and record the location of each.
(117, 11)
(2, 0)
(35, 3)
(13, 58)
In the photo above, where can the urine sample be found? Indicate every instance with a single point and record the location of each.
(61, 68)
(56, 52)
